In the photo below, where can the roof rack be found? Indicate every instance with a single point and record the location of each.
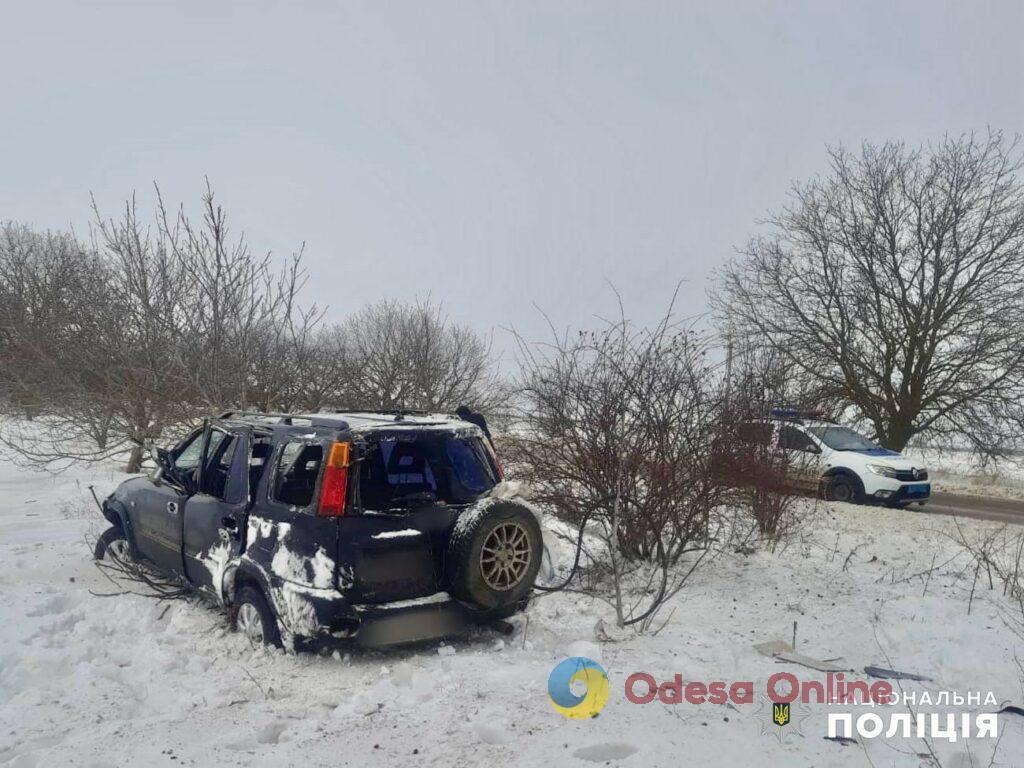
(284, 418)
(332, 419)
(287, 419)
(384, 411)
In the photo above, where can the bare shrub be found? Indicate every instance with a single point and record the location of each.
(614, 432)
(757, 469)
(996, 563)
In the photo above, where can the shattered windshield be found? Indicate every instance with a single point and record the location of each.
(842, 438)
(402, 469)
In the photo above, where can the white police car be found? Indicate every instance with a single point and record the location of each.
(843, 464)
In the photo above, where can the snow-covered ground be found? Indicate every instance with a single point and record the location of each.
(961, 472)
(109, 681)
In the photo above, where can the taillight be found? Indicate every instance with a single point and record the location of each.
(494, 459)
(334, 486)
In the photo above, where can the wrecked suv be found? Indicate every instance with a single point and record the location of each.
(384, 527)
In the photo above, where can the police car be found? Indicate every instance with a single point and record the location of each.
(841, 463)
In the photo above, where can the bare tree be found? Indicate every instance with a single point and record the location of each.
(399, 355)
(57, 311)
(896, 284)
(242, 327)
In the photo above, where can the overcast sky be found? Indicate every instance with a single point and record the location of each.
(492, 155)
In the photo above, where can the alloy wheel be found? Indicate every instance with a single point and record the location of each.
(505, 556)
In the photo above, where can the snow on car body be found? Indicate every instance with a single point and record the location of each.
(379, 526)
(840, 462)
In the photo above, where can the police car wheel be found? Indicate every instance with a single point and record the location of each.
(844, 488)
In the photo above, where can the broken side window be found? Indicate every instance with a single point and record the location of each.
(296, 473)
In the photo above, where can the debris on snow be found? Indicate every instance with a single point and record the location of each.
(822, 665)
(772, 648)
(892, 674)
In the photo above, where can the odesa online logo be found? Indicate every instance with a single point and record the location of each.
(568, 703)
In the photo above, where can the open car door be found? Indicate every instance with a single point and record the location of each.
(156, 510)
(214, 517)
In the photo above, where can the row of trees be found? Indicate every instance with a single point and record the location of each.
(110, 343)
(890, 291)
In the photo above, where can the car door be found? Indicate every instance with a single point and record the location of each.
(214, 515)
(155, 511)
(803, 457)
(155, 515)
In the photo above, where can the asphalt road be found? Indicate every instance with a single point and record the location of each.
(980, 507)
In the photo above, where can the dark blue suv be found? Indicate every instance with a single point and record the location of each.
(376, 526)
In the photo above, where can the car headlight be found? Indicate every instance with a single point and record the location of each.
(882, 469)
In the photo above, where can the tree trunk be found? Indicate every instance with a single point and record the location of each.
(134, 460)
(897, 434)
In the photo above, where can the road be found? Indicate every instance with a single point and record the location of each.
(980, 507)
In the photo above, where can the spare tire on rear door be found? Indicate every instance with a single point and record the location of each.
(494, 554)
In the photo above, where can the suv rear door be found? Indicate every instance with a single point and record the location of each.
(214, 516)
(290, 540)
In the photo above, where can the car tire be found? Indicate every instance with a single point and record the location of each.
(112, 543)
(493, 557)
(252, 616)
(844, 487)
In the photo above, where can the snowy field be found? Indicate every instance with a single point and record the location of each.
(960, 472)
(124, 680)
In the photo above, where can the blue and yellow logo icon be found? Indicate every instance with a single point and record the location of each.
(568, 703)
(780, 714)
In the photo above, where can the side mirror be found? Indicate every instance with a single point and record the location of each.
(154, 463)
